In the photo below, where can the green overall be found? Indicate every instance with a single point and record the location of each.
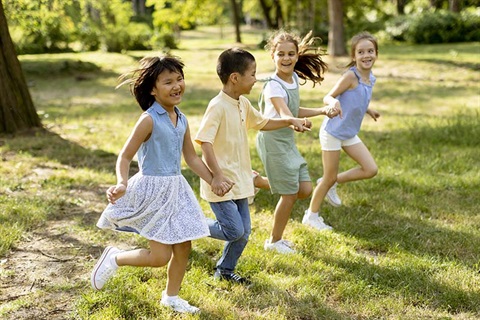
(284, 165)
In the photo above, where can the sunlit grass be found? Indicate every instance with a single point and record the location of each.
(404, 245)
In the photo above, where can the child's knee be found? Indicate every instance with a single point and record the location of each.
(234, 234)
(371, 172)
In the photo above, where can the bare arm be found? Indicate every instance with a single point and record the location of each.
(346, 82)
(140, 133)
(286, 119)
(219, 187)
(219, 181)
(192, 159)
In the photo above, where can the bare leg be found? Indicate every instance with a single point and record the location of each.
(158, 256)
(177, 267)
(368, 168)
(282, 214)
(331, 161)
(305, 189)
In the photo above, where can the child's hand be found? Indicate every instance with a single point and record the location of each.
(301, 125)
(115, 192)
(374, 114)
(333, 109)
(221, 185)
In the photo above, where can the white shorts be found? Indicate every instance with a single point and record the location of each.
(330, 143)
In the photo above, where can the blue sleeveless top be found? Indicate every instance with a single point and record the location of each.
(161, 154)
(354, 104)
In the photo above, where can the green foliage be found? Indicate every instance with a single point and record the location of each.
(439, 26)
(40, 26)
(404, 245)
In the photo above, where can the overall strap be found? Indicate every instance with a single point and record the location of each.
(267, 80)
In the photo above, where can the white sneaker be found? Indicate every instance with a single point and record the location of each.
(281, 246)
(315, 222)
(103, 269)
(256, 190)
(178, 304)
(332, 196)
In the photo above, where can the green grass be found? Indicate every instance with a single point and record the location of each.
(405, 245)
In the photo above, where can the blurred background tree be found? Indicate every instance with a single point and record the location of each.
(116, 25)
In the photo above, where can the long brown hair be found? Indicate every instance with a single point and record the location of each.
(364, 35)
(310, 65)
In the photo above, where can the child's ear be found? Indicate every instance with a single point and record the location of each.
(234, 77)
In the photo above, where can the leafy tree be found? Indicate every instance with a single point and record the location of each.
(17, 111)
(42, 26)
(172, 16)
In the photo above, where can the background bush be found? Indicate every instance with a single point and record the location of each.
(435, 27)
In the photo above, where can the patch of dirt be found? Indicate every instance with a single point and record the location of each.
(45, 272)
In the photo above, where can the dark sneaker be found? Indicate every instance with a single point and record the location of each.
(231, 277)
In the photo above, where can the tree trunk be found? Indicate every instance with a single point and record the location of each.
(266, 13)
(17, 111)
(454, 5)
(278, 13)
(336, 37)
(401, 7)
(236, 20)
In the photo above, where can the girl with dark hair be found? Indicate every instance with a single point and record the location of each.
(157, 202)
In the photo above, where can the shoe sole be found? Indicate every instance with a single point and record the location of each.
(323, 229)
(97, 265)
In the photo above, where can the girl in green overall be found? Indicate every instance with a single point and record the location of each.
(285, 167)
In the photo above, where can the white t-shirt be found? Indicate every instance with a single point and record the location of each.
(273, 89)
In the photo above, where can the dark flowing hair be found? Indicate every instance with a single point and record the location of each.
(310, 65)
(143, 79)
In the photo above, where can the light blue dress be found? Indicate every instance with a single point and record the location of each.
(159, 204)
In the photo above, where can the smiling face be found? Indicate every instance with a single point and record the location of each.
(169, 88)
(285, 57)
(365, 55)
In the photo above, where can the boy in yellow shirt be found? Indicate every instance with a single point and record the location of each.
(224, 141)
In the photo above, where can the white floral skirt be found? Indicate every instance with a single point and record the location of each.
(159, 208)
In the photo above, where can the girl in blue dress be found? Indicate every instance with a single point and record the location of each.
(157, 202)
(351, 96)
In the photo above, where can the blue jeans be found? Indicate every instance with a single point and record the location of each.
(232, 225)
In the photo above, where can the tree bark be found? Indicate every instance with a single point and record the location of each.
(17, 111)
(454, 5)
(266, 13)
(236, 20)
(336, 37)
(401, 7)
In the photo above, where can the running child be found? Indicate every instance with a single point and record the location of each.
(224, 141)
(285, 167)
(157, 202)
(351, 94)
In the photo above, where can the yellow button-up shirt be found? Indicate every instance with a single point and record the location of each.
(225, 125)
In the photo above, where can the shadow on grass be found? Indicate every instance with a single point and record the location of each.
(457, 64)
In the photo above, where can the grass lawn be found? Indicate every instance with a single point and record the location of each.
(405, 245)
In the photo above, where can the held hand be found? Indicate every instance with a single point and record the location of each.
(332, 112)
(115, 192)
(301, 125)
(334, 109)
(221, 185)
